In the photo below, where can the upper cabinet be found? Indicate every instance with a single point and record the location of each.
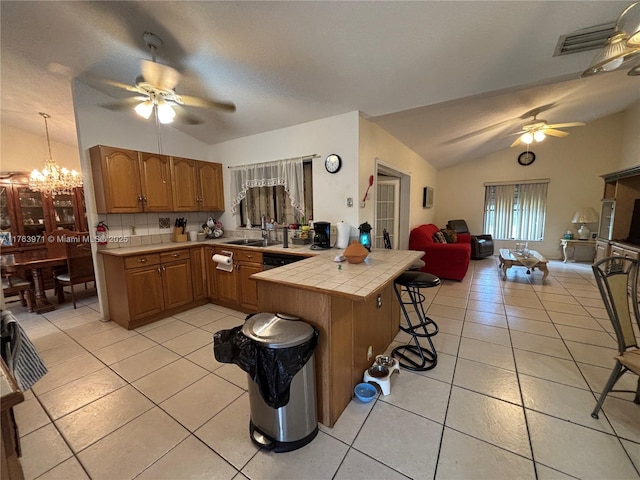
(128, 181)
(26, 215)
(197, 185)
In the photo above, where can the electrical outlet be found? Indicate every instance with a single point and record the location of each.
(350, 202)
(333, 231)
(369, 352)
(132, 229)
(379, 301)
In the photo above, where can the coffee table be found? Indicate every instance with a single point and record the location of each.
(509, 258)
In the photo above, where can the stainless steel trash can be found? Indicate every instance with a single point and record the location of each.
(295, 424)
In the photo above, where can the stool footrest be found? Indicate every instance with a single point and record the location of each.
(426, 359)
(412, 330)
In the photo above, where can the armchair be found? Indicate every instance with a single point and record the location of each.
(481, 245)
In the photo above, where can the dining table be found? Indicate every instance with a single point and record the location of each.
(33, 261)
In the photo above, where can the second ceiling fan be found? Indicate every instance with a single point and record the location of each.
(537, 131)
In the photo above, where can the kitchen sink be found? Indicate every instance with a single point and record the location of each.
(250, 242)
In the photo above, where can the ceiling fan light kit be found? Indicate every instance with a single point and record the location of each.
(622, 46)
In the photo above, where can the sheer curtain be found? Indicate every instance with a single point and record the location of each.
(288, 173)
(515, 211)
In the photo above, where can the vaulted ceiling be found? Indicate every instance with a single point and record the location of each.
(450, 79)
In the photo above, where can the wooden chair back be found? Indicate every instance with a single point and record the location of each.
(79, 260)
(55, 241)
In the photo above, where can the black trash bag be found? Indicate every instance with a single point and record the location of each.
(272, 369)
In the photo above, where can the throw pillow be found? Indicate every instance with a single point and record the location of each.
(450, 235)
(439, 237)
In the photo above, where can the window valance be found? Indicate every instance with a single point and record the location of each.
(288, 173)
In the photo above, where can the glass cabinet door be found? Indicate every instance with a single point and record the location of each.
(63, 212)
(31, 214)
(5, 217)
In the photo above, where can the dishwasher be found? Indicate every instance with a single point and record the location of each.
(274, 260)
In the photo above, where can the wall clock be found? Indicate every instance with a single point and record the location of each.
(333, 163)
(526, 158)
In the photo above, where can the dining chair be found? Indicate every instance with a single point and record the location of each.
(79, 268)
(13, 285)
(617, 280)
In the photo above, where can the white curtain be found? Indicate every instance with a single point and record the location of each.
(288, 173)
(516, 211)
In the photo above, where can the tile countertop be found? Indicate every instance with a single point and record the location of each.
(318, 272)
(356, 281)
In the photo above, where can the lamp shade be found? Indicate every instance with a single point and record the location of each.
(585, 215)
(614, 53)
(629, 24)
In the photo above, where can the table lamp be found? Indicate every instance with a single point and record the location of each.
(583, 216)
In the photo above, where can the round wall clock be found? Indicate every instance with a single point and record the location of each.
(526, 158)
(333, 163)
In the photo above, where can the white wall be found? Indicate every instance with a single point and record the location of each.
(574, 165)
(631, 138)
(337, 134)
(22, 151)
(376, 142)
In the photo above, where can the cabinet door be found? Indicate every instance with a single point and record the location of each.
(226, 282)
(210, 185)
(602, 250)
(144, 286)
(155, 180)
(185, 187)
(116, 178)
(80, 210)
(198, 275)
(32, 215)
(248, 287)
(176, 283)
(8, 224)
(210, 268)
(63, 213)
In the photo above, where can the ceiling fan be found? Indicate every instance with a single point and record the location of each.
(157, 88)
(537, 131)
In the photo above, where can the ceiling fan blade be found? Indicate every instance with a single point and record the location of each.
(98, 81)
(206, 103)
(566, 125)
(555, 133)
(160, 76)
(516, 143)
(185, 117)
(124, 104)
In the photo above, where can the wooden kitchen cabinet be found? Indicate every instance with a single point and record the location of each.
(210, 269)
(234, 289)
(249, 262)
(602, 250)
(128, 181)
(143, 288)
(197, 185)
(198, 273)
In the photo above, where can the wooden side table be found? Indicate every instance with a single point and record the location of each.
(10, 396)
(570, 246)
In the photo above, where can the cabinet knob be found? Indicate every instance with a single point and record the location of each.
(139, 198)
(144, 199)
(143, 260)
(175, 255)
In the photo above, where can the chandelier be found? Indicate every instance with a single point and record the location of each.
(53, 179)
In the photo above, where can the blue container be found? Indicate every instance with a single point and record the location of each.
(365, 392)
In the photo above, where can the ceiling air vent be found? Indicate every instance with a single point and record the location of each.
(586, 39)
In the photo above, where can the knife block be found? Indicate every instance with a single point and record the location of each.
(178, 236)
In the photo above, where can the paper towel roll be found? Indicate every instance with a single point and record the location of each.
(344, 230)
(224, 263)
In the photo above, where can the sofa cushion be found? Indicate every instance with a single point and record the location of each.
(450, 235)
(440, 237)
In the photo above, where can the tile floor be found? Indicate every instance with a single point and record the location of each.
(511, 395)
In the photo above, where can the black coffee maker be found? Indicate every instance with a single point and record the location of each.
(322, 236)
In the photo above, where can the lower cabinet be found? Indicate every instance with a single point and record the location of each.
(143, 288)
(602, 250)
(234, 289)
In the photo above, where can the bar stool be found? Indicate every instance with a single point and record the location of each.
(421, 358)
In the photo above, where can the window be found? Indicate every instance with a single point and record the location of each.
(274, 202)
(516, 211)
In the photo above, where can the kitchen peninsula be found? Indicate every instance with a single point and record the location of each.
(354, 308)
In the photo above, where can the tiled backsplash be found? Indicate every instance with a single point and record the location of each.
(150, 228)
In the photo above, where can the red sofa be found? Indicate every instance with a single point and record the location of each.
(444, 260)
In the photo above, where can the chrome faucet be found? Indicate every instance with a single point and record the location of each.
(264, 231)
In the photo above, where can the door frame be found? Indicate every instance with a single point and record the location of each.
(404, 202)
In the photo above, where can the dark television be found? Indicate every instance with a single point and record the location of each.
(634, 229)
